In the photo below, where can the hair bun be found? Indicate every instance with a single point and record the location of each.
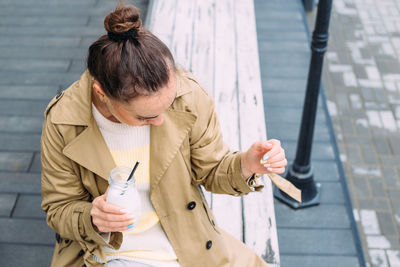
(123, 19)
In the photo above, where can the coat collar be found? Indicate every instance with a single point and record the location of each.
(89, 149)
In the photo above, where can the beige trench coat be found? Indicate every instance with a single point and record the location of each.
(186, 150)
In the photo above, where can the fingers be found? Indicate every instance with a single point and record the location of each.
(101, 204)
(275, 153)
(108, 217)
(109, 226)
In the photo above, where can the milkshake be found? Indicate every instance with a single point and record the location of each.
(123, 192)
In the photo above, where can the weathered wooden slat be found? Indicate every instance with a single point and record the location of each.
(227, 209)
(202, 64)
(259, 219)
(202, 58)
(216, 40)
(161, 19)
(182, 37)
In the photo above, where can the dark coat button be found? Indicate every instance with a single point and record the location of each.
(58, 238)
(80, 254)
(191, 205)
(208, 244)
(66, 241)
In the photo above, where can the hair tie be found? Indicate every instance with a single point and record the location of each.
(132, 33)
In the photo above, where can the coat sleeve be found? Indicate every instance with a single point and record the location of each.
(64, 198)
(213, 165)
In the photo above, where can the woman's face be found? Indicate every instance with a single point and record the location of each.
(144, 110)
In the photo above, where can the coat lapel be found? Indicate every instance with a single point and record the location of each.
(165, 141)
(90, 151)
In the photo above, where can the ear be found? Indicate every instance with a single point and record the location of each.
(98, 90)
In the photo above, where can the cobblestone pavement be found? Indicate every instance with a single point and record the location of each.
(362, 86)
(43, 45)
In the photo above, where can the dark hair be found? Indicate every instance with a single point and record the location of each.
(129, 60)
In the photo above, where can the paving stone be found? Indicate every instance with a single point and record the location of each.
(70, 31)
(390, 161)
(7, 202)
(275, 84)
(27, 231)
(283, 36)
(347, 126)
(37, 10)
(43, 21)
(353, 153)
(320, 150)
(322, 216)
(11, 182)
(378, 257)
(21, 124)
(332, 193)
(289, 115)
(312, 261)
(377, 187)
(29, 206)
(325, 171)
(48, 53)
(36, 166)
(283, 100)
(290, 131)
(394, 193)
(47, 3)
(19, 142)
(26, 78)
(265, 28)
(41, 92)
(395, 145)
(15, 161)
(390, 176)
(316, 241)
(291, 46)
(362, 187)
(40, 42)
(278, 71)
(23, 107)
(17, 255)
(78, 66)
(297, 60)
(369, 155)
(375, 204)
(393, 257)
(386, 223)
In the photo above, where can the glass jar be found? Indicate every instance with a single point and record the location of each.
(124, 193)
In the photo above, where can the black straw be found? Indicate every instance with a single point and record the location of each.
(133, 171)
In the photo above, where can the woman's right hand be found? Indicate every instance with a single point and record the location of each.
(107, 217)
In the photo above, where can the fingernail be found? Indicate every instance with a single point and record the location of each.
(265, 158)
(268, 144)
(124, 211)
(267, 165)
(130, 216)
(132, 222)
(269, 169)
(130, 226)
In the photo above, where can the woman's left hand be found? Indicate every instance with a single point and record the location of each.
(264, 157)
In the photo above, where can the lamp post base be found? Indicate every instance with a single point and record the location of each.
(310, 191)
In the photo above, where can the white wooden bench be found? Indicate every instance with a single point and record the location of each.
(217, 41)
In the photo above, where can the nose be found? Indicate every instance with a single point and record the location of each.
(157, 121)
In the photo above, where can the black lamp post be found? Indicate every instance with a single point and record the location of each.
(300, 172)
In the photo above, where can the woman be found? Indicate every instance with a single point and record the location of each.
(133, 104)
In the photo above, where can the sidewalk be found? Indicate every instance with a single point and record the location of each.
(362, 85)
(319, 236)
